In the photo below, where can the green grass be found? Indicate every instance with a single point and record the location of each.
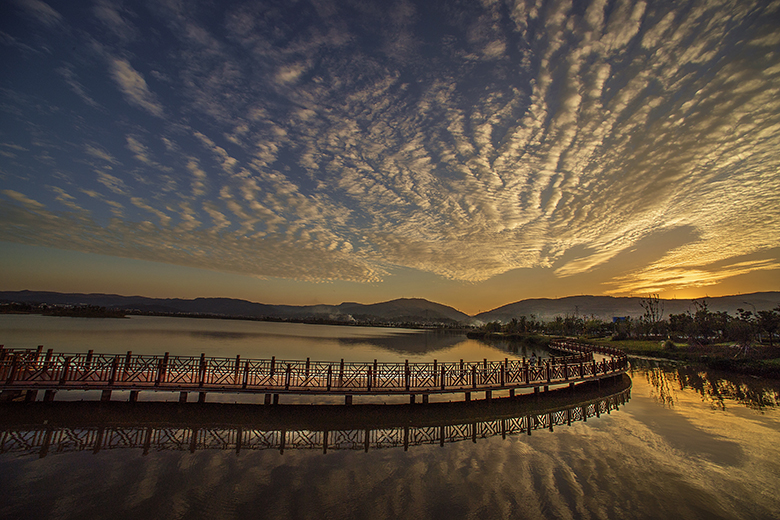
(722, 356)
(636, 346)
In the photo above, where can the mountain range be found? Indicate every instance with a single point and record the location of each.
(404, 310)
(606, 307)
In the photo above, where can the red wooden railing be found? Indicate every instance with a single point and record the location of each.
(35, 369)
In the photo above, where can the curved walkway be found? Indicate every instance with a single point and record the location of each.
(33, 370)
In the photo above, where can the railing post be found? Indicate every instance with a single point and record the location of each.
(287, 376)
(65, 370)
(330, 376)
(548, 371)
(87, 362)
(306, 372)
(473, 376)
(12, 372)
(163, 370)
(273, 367)
(368, 380)
(159, 372)
(202, 374)
(341, 373)
(114, 370)
(407, 375)
(443, 382)
(47, 360)
(245, 382)
(127, 364)
(435, 373)
(237, 370)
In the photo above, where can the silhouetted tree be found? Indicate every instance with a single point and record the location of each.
(654, 312)
(769, 322)
(742, 329)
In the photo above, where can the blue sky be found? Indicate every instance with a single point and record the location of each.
(473, 153)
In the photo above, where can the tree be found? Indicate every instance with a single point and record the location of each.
(681, 325)
(654, 312)
(769, 322)
(742, 329)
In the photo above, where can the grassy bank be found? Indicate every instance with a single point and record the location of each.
(760, 361)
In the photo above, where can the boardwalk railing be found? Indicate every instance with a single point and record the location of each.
(33, 370)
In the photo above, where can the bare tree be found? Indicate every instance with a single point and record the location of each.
(654, 311)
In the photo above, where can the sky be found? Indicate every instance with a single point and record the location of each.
(473, 153)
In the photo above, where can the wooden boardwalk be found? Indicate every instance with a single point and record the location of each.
(31, 371)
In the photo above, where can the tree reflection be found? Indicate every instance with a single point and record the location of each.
(717, 388)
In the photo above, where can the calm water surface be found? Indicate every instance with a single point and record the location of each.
(250, 339)
(687, 444)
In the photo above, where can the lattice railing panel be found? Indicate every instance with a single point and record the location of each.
(21, 369)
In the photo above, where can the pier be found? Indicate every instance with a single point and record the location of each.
(27, 372)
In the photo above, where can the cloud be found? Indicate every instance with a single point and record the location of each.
(139, 150)
(115, 184)
(198, 183)
(290, 73)
(110, 14)
(228, 163)
(657, 279)
(22, 199)
(98, 152)
(41, 11)
(76, 86)
(10, 41)
(504, 139)
(133, 86)
(219, 220)
(165, 220)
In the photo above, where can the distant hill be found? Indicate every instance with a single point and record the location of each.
(606, 307)
(404, 310)
(397, 311)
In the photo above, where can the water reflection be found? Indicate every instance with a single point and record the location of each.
(42, 429)
(250, 339)
(717, 388)
(414, 345)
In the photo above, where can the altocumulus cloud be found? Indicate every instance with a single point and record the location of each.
(331, 141)
(133, 85)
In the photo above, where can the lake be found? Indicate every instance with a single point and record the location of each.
(668, 442)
